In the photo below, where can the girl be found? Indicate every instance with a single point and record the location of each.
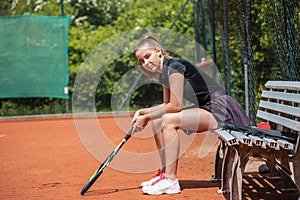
(180, 79)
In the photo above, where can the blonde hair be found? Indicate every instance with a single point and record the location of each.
(149, 42)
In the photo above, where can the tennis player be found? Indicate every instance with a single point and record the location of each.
(180, 80)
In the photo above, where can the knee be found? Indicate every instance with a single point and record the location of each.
(156, 125)
(168, 122)
(165, 123)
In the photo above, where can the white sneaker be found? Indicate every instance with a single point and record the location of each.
(163, 185)
(153, 179)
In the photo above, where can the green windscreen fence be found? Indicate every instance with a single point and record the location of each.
(34, 56)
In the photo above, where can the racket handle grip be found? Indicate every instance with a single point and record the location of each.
(130, 133)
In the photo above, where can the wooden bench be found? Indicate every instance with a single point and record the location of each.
(278, 148)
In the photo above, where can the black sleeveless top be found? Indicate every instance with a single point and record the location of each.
(199, 88)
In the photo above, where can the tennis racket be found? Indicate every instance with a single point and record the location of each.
(99, 171)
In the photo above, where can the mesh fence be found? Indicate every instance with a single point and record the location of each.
(284, 24)
(34, 56)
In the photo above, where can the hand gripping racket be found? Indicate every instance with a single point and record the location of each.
(99, 171)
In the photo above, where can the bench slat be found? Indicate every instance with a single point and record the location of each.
(292, 97)
(289, 85)
(285, 144)
(258, 141)
(272, 143)
(226, 136)
(242, 138)
(291, 110)
(292, 124)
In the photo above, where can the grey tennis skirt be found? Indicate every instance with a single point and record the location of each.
(227, 110)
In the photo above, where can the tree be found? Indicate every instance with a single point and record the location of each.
(94, 21)
(5, 7)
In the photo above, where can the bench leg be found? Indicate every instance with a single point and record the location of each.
(230, 158)
(296, 177)
(218, 162)
(279, 160)
(290, 182)
(296, 168)
(236, 182)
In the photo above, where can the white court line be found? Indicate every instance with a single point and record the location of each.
(2, 136)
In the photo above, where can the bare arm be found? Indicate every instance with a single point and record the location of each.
(173, 97)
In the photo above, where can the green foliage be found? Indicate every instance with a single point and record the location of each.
(5, 7)
(94, 21)
(33, 106)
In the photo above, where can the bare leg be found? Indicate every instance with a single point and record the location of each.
(159, 140)
(193, 119)
(171, 151)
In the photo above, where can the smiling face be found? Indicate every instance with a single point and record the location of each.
(150, 59)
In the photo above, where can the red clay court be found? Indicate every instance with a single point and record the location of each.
(44, 158)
